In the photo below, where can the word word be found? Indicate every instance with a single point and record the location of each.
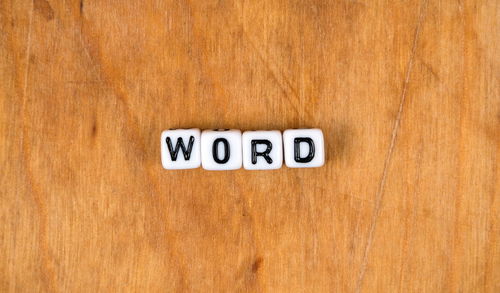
(228, 149)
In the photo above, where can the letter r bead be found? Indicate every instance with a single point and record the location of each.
(262, 150)
(180, 149)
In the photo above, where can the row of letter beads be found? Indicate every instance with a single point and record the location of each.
(228, 149)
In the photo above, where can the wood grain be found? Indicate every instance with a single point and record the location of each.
(406, 92)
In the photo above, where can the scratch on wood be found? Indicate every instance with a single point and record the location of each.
(48, 270)
(93, 62)
(274, 76)
(387, 161)
(429, 68)
(28, 53)
(283, 83)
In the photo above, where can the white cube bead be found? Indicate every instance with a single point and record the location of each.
(262, 150)
(180, 149)
(304, 148)
(221, 149)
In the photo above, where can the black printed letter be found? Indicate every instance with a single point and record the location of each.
(309, 156)
(264, 154)
(215, 151)
(180, 145)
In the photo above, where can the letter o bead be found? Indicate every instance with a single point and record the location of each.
(180, 149)
(262, 150)
(304, 148)
(221, 149)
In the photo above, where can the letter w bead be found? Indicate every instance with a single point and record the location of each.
(186, 141)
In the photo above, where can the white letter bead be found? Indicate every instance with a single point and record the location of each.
(180, 149)
(221, 149)
(304, 148)
(262, 150)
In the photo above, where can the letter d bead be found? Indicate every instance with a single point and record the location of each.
(304, 148)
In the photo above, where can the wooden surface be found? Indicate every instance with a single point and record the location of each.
(406, 92)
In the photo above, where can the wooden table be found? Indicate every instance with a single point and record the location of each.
(406, 92)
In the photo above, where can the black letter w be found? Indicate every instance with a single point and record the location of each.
(180, 145)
